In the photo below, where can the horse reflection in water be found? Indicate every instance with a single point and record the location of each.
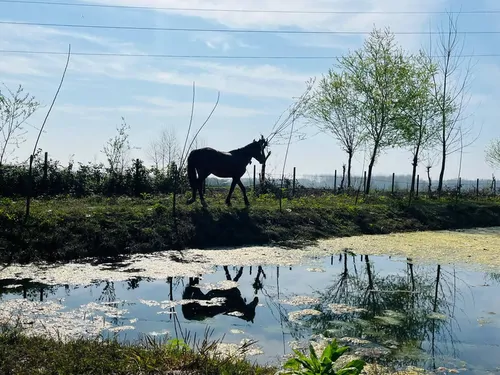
(233, 301)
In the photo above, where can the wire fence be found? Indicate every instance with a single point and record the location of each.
(49, 178)
(335, 183)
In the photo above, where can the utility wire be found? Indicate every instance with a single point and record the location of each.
(171, 56)
(284, 11)
(182, 29)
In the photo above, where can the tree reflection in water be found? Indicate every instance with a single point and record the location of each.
(407, 313)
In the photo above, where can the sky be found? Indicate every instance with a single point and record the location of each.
(153, 93)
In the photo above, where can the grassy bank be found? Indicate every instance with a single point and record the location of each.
(23, 355)
(20, 354)
(66, 228)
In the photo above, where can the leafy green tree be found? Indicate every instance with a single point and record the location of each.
(419, 126)
(117, 149)
(378, 73)
(331, 109)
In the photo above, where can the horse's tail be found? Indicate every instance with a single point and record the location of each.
(191, 171)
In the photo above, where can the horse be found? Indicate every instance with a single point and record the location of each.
(205, 161)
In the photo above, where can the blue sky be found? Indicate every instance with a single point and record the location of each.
(154, 93)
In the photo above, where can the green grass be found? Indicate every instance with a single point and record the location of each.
(61, 229)
(20, 354)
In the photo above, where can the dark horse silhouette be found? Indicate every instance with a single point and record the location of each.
(233, 164)
(233, 302)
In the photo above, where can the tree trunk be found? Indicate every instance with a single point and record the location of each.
(349, 163)
(414, 171)
(429, 187)
(370, 168)
(441, 174)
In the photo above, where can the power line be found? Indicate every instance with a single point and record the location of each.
(62, 3)
(182, 29)
(172, 56)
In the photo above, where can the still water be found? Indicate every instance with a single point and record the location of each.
(402, 314)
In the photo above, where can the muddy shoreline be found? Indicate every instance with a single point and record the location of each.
(71, 233)
(475, 249)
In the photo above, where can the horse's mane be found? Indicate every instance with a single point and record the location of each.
(244, 148)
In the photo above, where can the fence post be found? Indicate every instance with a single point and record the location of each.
(254, 173)
(418, 183)
(45, 172)
(293, 182)
(477, 188)
(393, 176)
(364, 183)
(29, 188)
(335, 182)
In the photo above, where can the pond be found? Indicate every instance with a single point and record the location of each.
(387, 308)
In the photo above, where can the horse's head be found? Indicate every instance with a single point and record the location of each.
(259, 149)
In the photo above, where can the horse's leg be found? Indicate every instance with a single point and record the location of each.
(200, 191)
(193, 180)
(244, 191)
(193, 193)
(231, 189)
(202, 175)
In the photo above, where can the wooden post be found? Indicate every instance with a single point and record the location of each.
(28, 191)
(45, 172)
(335, 182)
(254, 173)
(418, 183)
(393, 177)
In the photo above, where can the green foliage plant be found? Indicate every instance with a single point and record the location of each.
(312, 365)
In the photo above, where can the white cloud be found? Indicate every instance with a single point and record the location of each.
(322, 21)
(258, 81)
(221, 41)
(44, 36)
(20, 65)
(158, 107)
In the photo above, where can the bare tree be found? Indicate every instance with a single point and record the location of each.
(493, 153)
(280, 132)
(153, 152)
(451, 85)
(15, 109)
(430, 162)
(294, 112)
(199, 142)
(330, 109)
(164, 150)
(117, 149)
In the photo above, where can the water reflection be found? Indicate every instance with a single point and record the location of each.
(389, 309)
(230, 299)
(393, 311)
